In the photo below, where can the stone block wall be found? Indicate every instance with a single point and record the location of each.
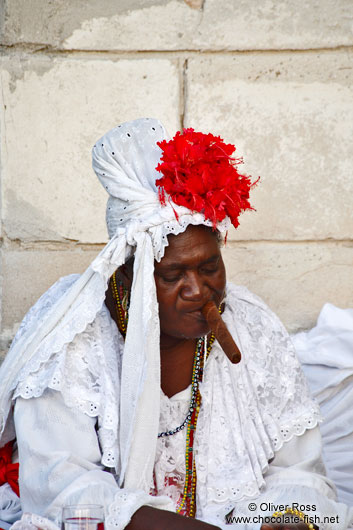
(274, 77)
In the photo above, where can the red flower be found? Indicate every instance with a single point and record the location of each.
(199, 173)
(8, 470)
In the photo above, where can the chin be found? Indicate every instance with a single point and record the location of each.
(195, 333)
(189, 327)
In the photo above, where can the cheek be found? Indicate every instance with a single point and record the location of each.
(166, 296)
(222, 276)
(220, 280)
(169, 318)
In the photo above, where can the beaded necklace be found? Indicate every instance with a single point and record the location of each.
(121, 298)
(197, 371)
(187, 504)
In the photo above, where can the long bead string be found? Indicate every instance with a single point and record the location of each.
(187, 505)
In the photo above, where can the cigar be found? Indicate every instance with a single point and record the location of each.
(220, 330)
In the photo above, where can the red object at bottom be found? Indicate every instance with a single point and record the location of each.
(8, 470)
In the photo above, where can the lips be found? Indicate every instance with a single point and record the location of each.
(196, 313)
(198, 308)
(195, 310)
(193, 314)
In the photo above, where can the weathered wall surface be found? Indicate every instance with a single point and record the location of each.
(274, 77)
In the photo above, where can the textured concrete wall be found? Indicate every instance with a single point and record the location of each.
(274, 77)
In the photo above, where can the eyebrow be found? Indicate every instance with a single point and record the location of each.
(180, 266)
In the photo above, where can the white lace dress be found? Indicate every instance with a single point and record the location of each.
(257, 441)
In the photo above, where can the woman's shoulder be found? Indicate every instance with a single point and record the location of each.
(251, 312)
(79, 362)
(236, 294)
(270, 362)
(56, 290)
(45, 302)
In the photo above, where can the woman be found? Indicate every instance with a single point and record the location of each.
(100, 377)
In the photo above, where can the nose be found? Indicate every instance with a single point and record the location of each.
(194, 288)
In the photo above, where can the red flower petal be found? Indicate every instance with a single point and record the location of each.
(200, 174)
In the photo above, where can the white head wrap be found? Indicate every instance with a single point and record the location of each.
(124, 161)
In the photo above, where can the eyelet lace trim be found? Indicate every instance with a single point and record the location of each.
(127, 502)
(55, 343)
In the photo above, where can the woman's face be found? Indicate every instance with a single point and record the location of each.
(190, 274)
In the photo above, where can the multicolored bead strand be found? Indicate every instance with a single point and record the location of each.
(187, 505)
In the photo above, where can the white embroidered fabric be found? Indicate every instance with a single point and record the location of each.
(169, 468)
(118, 516)
(60, 463)
(31, 521)
(71, 325)
(86, 371)
(238, 430)
(10, 506)
(65, 439)
(249, 410)
(127, 502)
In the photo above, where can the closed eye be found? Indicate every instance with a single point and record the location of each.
(210, 268)
(209, 271)
(171, 279)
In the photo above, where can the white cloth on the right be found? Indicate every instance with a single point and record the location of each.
(326, 355)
